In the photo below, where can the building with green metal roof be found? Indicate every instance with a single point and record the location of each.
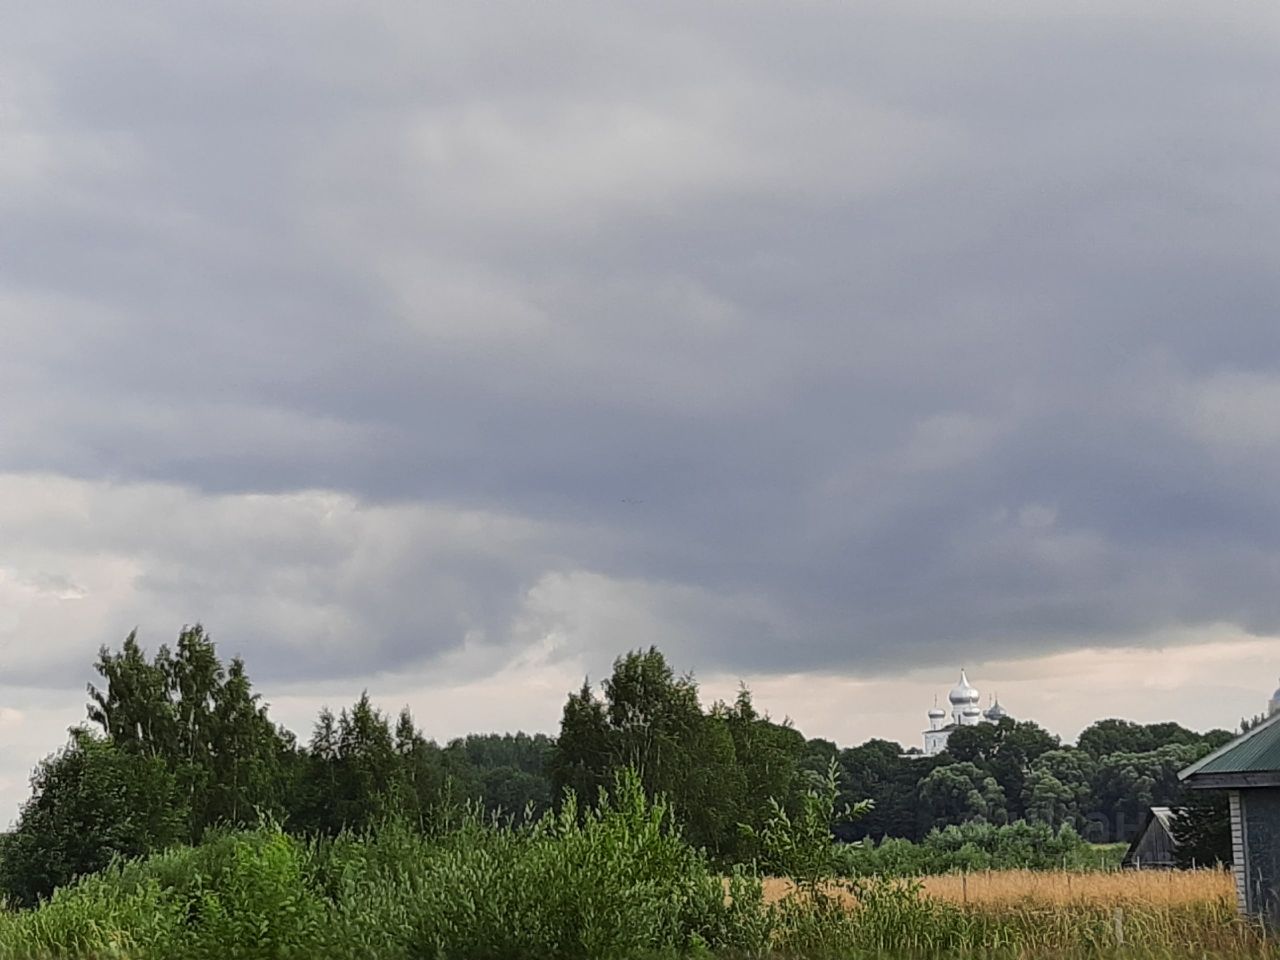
(1248, 768)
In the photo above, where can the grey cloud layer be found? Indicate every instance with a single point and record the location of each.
(826, 335)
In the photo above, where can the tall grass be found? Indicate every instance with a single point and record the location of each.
(1063, 889)
(895, 917)
(1002, 890)
(614, 882)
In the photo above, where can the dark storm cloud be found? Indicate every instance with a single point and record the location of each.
(851, 331)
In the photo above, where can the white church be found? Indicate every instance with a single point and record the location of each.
(965, 712)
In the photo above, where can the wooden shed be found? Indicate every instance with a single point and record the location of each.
(1248, 768)
(1154, 846)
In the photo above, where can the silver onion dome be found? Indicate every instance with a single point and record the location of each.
(963, 692)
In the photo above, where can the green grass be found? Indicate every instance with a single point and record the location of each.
(614, 883)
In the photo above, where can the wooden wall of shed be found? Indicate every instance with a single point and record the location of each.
(1237, 850)
(1260, 820)
(1154, 847)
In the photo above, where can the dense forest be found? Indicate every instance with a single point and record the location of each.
(178, 742)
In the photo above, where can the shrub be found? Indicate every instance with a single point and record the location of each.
(976, 846)
(615, 881)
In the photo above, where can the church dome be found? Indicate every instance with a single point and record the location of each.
(972, 710)
(963, 692)
(995, 712)
(936, 712)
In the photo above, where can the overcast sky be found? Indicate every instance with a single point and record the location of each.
(450, 349)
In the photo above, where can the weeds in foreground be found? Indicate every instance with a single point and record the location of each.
(616, 882)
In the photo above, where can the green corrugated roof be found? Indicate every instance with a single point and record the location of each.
(1257, 751)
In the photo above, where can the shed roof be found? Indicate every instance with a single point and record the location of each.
(1256, 751)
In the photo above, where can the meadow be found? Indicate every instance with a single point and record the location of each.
(1003, 890)
(616, 881)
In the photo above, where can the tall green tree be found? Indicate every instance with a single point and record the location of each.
(135, 708)
(507, 773)
(369, 782)
(583, 756)
(1125, 784)
(1105, 737)
(422, 769)
(91, 802)
(1005, 751)
(202, 720)
(766, 766)
(654, 717)
(962, 793)
(718, 769)
(1057, 788)
(878, 770)
(312, 807)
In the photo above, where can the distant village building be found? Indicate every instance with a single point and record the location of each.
(965, 712)
(1154, 846)
(1248, 768)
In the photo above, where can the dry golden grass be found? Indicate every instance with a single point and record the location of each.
(999, 889)
(1160, 888)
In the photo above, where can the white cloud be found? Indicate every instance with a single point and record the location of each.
(415, 341)
(312, 577)
(1235, 412)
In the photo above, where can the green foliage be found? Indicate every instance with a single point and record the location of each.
(801, 847)
(760, 767)
(980, 846)
(1124, 736)
(878, 771)
(583, 752)
(91, 803)
(1126, 784)
(1056, 790)
(612, 882)
(1005, 751)
(1008, 771)
(961, 793)
(237, 895)
(202, 719)
(1202, 829)
(188, 747)
(719, 768)
(616, 880)
(354, 776)
(520, 752)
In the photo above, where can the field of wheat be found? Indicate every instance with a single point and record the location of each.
(1135, 888)
(1057, 914)
(1000, 889)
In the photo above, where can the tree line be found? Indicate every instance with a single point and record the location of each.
(179, 742)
